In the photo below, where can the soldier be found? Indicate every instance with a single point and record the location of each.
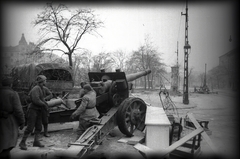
(87, 110)
(11, 117)
(45, 114)
(47, 96)
(81, 92)
(36, 108)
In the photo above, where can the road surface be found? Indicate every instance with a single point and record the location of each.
(221, 109)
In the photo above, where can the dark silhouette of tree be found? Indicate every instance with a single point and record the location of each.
(63, 28)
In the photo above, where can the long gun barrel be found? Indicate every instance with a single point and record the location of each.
(134, 76)
(103, 86)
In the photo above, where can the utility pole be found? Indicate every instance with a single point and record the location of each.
(205, 76)
(186, 47)
(177, 69)
(177, 53)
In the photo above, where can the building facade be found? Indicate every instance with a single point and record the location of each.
(23, 53)
(225, 75)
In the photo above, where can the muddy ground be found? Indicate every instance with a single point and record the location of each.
(220, 109)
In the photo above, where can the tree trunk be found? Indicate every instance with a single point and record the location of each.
(70, 59)
(148, 79)
(152, 82)
(145, 82)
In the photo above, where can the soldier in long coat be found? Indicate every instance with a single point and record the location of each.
(87, 110)
(11, 118)
(35, 110)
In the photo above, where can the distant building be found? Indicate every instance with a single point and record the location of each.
(229, 61)
(23, 53)
(225, 75)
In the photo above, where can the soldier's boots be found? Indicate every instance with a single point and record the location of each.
(36, 142)
(46, 134)
(46, 131)
(22, 144)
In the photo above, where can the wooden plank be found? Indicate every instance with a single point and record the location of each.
(182, 141)
(179, 153)
(71, 152)
(132, 140)
(137, 138)
(204, 134)
(54, 127)
(148, 151)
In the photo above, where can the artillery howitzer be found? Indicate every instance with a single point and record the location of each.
(114, 105)
(112, 89)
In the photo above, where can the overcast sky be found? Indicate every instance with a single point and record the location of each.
(126, 26)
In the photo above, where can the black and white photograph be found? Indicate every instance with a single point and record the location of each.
(119, 79)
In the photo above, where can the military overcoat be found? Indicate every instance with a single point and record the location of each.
(12, 117)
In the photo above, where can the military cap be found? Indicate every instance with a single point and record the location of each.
(87, 87)
(7, 80)
(40, 78)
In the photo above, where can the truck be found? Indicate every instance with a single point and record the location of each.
(59, 79)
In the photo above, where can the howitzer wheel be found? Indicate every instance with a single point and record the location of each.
(131, 115)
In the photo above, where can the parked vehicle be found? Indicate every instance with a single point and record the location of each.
(59, 78)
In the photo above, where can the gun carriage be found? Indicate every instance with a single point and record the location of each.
(115, 106)
(112, 89)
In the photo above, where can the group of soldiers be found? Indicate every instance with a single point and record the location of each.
(12, 116)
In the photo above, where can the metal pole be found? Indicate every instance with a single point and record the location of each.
(205, 76)
(186, 47)
(177, 53)
(177, 69)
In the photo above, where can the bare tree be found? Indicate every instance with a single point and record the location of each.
(119, 57)
(64, 28)
(190, 76)
(103, 61)
(156, 66)
(88, 60)
(78, 58)
(146, 57)
(190, 71)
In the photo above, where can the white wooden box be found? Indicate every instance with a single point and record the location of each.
(157, 128)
